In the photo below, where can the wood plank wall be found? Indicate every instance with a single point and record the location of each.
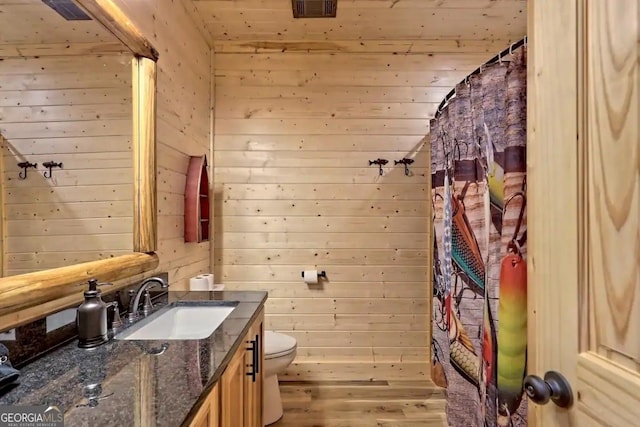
(183, 124)
(294, 131)
(75, 110)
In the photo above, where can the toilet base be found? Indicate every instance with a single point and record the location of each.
(272, 402)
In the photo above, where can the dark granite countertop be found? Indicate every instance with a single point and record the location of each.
(132, 380)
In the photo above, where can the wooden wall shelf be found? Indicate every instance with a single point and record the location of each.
(196, 201)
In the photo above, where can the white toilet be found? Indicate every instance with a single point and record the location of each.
(279, 352)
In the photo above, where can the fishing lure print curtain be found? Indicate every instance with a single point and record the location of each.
(478, 146)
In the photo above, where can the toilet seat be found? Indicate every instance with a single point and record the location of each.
(278, 345)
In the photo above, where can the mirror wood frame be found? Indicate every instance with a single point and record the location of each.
(26, 297)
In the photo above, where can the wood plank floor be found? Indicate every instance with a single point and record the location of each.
(362, 404)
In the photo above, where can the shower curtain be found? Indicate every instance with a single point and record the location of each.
(478, 146)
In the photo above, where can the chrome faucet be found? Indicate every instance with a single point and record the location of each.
(144, 287)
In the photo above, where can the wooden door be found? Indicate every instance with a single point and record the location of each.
(232, 391)
(584, 207)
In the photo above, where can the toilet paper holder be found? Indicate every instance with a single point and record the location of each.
(322, 274)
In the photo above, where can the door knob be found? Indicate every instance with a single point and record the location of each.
(554, 387)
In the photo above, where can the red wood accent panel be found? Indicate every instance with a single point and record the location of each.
(196, 201)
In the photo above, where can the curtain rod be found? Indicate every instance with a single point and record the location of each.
(478, 70)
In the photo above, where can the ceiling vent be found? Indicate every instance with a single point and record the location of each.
(314, 8)
(68, 10)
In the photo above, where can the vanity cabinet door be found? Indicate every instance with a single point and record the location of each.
(232, 389)
(254, 361)
(202, 418)
(208, 414)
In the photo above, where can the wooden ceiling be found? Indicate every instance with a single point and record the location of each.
(31, 22)
(366, 20)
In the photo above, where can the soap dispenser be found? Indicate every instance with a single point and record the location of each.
(92, 318)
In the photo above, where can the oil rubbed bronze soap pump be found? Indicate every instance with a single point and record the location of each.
(92, 317)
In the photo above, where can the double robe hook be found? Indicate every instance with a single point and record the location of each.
(381, 162)
(25, 166)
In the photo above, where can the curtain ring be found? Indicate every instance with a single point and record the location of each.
(500, 57)
(511, 49)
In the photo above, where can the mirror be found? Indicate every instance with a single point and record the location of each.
(65, 103)
(77, 91)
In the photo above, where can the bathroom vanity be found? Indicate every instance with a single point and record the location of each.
(193, 381)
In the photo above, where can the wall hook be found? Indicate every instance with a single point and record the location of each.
(50, 165)
(25, 166)
(406, 162)
(379, 162)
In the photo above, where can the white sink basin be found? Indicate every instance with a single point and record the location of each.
(180, 322)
